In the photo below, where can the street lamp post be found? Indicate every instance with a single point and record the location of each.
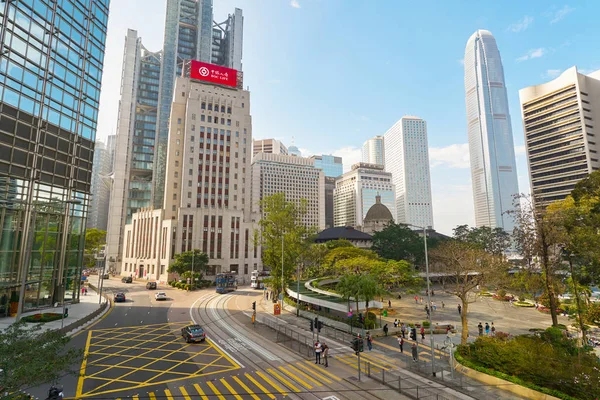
(428, 296)
(282, 236)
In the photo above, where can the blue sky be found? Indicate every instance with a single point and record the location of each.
(333, 73)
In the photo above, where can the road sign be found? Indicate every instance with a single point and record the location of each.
(276, 309)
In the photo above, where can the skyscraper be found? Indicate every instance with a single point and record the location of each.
(51, 59)
(190, 35)
(332, 166)
(272, 146)
(491, 148)
(407, 158)
(100, 188)
(559, 118)
(132, 171)
(372, 151)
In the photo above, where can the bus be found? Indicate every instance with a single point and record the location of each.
(257, 279)
(226, 283)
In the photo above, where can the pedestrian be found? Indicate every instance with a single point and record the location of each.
(487, 329)
(415, 352)
(432, 292)
(421, 300)
(426, 308)
(422, 333)
(413, 333)
(427, 292)
(401, 343)
(385, 329)
(325, 354)
(396, 323)
(389, 304)
(318, 349)
(480, 329)
(382, 299)
(416, 299)
(399, 297)
(447, 329)
(434, 306)
(459, 309)
(493, 330)
(369, 341)
(443, 305)
(403, 330)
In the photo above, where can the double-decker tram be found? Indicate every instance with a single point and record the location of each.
(257, 279)
(226, 283)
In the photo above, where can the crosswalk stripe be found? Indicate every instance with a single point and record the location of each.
(329, 374)
(273, 384)
(231, 389)
(184, 392)
(152, 396)
(261, 387)
(200, 391)
(311, 378)
(363, 366)
(284, 380)
(215, 390)
(297, 378)
(136, 397)
(375, 361)
(168, 394)
(246, 388)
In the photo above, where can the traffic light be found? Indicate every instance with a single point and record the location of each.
(254, 305)
(319, 325)
(357, 345)
(311, 326)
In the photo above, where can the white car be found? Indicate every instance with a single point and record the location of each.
(160, 296)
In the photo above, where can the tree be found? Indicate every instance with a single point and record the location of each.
(94, 240)
(282, 230)
(334, 244)
(32, 357)
(312, 260)
(492, 240)
(194, 260)
(359, 287)
(539, 243)
(465, 266)
(333, 258)
(399, 242)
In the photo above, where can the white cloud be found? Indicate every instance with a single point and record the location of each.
(521, 25)
(533, 53)
(295, 4)
(350, 155)
(552, 73)
(453, 156)
(557, 15)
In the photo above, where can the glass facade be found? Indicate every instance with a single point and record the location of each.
(51, 58)
(332, 166)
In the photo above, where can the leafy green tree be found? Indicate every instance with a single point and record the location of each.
(592, 314)
(399, 242)
(359, 287)
(312, 260)
(282, 230)
(334, 244)
(94, 240)
(466, 266)
(333, 258)
(492, 240)
(32, 357)
(194, 260)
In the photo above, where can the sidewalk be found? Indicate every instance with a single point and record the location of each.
(83, 313)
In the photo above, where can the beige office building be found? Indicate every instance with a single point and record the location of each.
(207, 180)
(297, 177)
(560, 120)
(268, 146)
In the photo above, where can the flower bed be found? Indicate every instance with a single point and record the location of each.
(45, 317)
(545, 309)
(503, 298)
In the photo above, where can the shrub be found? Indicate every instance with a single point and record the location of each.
(501, 293)
(426, 324)
(523, 304)
(40, 318)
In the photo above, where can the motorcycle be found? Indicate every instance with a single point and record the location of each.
(55, 393)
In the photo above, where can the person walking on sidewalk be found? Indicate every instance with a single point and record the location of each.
(369, 341)
(318, 350)
(422, 333)
(415, 352)
(401, 343)
(396, 323)
(325, 354)
(480, 329)
(403, 330)
(459, 309)
(487, 329)
(385, 329)
(493, 330)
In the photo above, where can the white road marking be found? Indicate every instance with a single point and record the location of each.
(214, 343)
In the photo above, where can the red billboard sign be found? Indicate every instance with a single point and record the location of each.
(213, 73)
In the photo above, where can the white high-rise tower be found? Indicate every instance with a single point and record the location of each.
(491, 148)
(407, 158)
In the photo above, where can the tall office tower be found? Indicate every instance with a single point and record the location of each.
(329, 189)
(491, 147)
(372, 151)
(268, 146)
(110, 147)
(190, 35)
(100, 188)
(296, 177)
(331, 165)
(407, 159)
(51, 60)
(133, 155)
(357, 190)
(560, 119)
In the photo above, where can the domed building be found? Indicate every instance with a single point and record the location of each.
(377, 217)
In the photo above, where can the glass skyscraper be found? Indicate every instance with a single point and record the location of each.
(373, 151)
(51, 59)
(491, 147)
(332, 166)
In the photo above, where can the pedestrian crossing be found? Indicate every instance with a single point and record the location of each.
(274, 383)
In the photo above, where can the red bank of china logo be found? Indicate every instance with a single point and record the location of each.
(213, 73)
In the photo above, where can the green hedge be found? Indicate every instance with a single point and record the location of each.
(523, 304)
(46, 317)
(511, 378)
